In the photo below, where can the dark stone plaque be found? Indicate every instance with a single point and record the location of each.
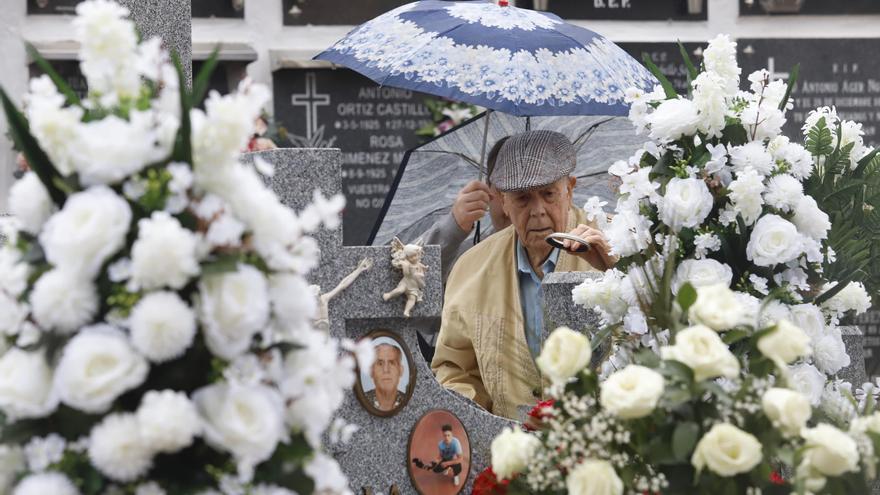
(630, 10)
(52, 6)
(69, 72)
(330, 12)
(373, 125)
(869, 323)
(668, 58)
(809, 7)
(844, 73)
(218, 8)
(226, 76)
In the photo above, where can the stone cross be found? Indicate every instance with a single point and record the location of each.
(377, 457)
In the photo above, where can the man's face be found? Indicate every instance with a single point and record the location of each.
(387, 368)
(537, 213)
(447, 436)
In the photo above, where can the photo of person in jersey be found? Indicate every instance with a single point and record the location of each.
(439, 454)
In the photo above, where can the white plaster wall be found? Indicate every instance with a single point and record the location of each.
(263, 29)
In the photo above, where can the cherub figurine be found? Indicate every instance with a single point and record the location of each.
(408, 259)
(323, 321)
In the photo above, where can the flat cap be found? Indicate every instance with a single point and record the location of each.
(533, 159)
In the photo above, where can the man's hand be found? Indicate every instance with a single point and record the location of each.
(597, 255)
(471, 204)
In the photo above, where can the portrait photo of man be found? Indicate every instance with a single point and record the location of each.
(385, 385)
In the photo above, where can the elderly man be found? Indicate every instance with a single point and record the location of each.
(492, 316)
(386, 372)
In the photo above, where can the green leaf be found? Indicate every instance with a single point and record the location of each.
(828, 294)
(687, 296)
(692, 71)
(668, 88)
(203, 79)
(60, 83)
(222, 264)
(684, 439)
(735, 134)
(183, 143)
(733, 336)
(792, 79)
(36, 157)
(678, 370)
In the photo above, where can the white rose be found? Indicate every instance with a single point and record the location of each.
(785, 343)
(593, 477)
(14, 314)
(853, 297)
(512, 452)
(866, 423)
(788, 410)
(829, 353)
(164, 254)
(89, 230)
(830, 451)
(687, 203)
(41, 484)
(717, 307)
(63, 301)
(247, 422)
(97, 366)
(162, 326)
(808, 318)
(117, 449)
(810, 220)
(632, 392)
(774, 241)
(564, 355)
(233, 307)
(727, 451)
(29, 201)
(12, 463)
(168, 421)
(702, 273)
(808, 380)
(14, 272)
(703, 351)
(26, 385)
(55, 128)
(673, 119)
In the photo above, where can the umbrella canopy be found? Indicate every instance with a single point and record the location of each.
(431, 175)
(503, 58)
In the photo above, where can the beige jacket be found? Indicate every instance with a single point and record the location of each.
(481, 349)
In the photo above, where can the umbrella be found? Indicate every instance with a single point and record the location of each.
(502, 58)
(431, 175)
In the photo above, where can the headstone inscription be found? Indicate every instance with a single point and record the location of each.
(869, 323)
(844, 73)
(629, 10)
(378, 456)
(808, 7)
(372, 125)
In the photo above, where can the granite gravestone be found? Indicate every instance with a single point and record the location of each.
(844, 73)
(372, 125)
(624, 10)
(360, 310)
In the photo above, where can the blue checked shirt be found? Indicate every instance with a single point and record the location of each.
(531, 295)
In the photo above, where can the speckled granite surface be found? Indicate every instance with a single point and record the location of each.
(171, 20)
(560, 310)
(854, 341)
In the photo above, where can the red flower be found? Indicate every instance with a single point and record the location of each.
(776, 478)
(487, 483)
(539, 413)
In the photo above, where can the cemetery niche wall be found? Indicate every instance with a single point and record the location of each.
(808, 7)
(373, 126)
(335, 12)
(630, 10)
(668, 58)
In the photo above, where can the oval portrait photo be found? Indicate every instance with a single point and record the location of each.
(385, 388)
(439, 454)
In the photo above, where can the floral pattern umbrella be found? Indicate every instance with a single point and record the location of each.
(503, 58)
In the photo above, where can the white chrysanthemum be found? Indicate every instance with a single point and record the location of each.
(774, 241)
(701, 273)
(746, 195)
(810, 220)
(42, 452)
(293, 301)
(686, 203)
(710, 94)
(108, 44)
(222, 130)
(754, 155)
(225, 230)
(54, 127)
(112, 149)
(44, 483)
(26, 385)
(706, 243)
(168, 421)
(800, 160)
(14, 272)
(97, 366)
(164, 254)
(853, 297)
(117, 449)
(673, 119)
(808, 380)
(720, 59)
(162, 326)
(233, 307)
(628, 233)
(784, 192)
(14, 314)
(89, 229)
(829, 353)
(62, 301)
(29, 201)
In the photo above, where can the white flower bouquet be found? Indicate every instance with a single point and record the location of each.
(717, 195)
(695, 419)
(156, 322)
